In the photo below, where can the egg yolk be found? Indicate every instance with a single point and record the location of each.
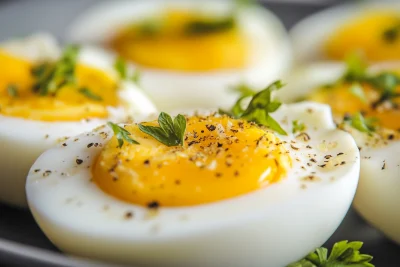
(167, 43)
(221, 158)
(68, 104)
(375, 34)
(343, 101)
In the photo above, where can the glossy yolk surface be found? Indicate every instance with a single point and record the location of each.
(221, 158)
(368, 34)
(67, 105)
(343, 101)
(170, 48)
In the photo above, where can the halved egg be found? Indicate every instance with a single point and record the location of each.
(47, 95)
(234, 193)
(369, 110)
(368, 28)
(196, 50)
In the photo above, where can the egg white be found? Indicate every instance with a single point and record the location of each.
(23, 140)
(269, 227)
(309, 35)
(377, 198)
(270, 51)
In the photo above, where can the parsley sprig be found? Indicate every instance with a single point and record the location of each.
(121, 66)
(385, 82)
(170, 133)
(121, 134)
(364, 125)
(89, 94)
(343, 254)
(259, 108)
(51, 77)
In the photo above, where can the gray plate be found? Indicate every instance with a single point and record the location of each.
(21, 241)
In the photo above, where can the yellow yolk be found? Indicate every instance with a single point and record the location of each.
(221, 158)
(366, 34)
(170, 48)
(67, 105)
(342, 102)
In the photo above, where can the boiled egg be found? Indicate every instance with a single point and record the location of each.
(371, 28)
(234, 193)
(196, 50)
(376, 131)
(47, 95)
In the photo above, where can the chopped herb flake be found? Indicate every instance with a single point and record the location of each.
(121, 134)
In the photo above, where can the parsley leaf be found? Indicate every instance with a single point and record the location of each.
(243, 89)
(89, 94)
(358, 122)
(51, 77)
(259, 108)
(298, 126)
(343, 254)
(390, 35)
(12, 90)
(356, 69)
(121, 134)
(199, 27)
(358, 91)
(170, 133)
(121, 66)
(384, 82)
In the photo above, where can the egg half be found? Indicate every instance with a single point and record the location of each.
(377, 198)
(196, 50)
(33, 117)
(234, 194)
(368, 28)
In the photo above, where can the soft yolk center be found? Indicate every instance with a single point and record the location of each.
(343, 101)
(69, 104)
(169, 47)
(221, 158)
(375, 34)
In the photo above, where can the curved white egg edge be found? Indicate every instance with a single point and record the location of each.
(33, 137)
(308, 35)
(377, 195)
(271, 56)
(88, 201)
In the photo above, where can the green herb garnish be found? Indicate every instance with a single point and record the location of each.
(298, 126)
(170, 133)
(121, 134)
(390, 35)
(51, 77)
(364, 125)
(384, 82)
(12, 90)
(121, 66)
(358, 91)
(150, 27)
(343, 254)
(243, 89)
(199, 27)
(259, 108)
(89, 94)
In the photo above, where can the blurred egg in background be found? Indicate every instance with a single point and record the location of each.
(198, 50)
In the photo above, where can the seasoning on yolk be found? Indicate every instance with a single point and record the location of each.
(67, 105)
(221, 158)
(342, 102)
(366, 34)
(170, 48)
